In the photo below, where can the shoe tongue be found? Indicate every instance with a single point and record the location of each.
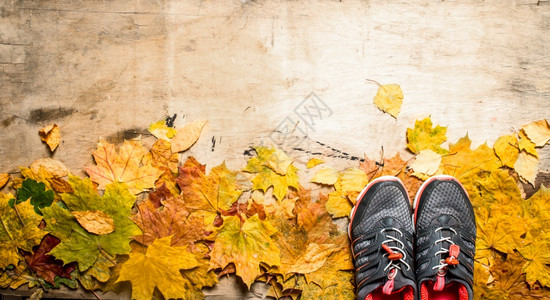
(399, 283)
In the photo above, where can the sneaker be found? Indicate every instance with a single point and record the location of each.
(381, 234)
(445, 240)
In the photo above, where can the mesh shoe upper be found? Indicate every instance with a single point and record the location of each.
(381, 232)
(445, 237)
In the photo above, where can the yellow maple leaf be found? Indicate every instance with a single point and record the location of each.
(507, 149)
(527, 167)
(313, 258)
(537, 212)
(279, 162)
(497, 186)
(264, 166)
(329, 272)
(338, 205)
(354, 181)
(208, 195)
(423, 136)
(51, 135)
(187, 136)
(314, 162)
(19, 230)
(496, 230)
(389, 99)
(464, 163)
(161, 131)
(4, 178)
(538, 132)
(159, 267)
(161, 157)
(537, 254)
(125, 166)
(247, 245)
(426, 162)
(327, 175)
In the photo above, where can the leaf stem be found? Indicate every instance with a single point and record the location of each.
(17, 212)
(370, 80)
(106, 255)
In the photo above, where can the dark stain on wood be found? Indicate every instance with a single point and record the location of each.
(126, 134)
(49, 114)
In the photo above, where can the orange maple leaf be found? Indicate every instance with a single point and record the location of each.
(125, 166)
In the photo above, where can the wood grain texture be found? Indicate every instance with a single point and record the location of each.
(109, 68)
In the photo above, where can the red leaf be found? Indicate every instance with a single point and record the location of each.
(44, 265)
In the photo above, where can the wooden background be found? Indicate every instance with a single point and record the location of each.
(262, 71)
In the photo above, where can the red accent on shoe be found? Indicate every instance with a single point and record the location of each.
(405, 293)
(388, 287)
(453, 291)
(439, 283)
(452, 260)
(392, 255)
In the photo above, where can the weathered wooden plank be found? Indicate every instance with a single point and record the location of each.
(109, 68)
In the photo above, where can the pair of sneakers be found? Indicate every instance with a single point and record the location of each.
(425, 253)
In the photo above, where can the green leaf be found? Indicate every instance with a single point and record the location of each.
(36, 191)
(79, 245)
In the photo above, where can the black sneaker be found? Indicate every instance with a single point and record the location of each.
(381, 234)
(445, 240)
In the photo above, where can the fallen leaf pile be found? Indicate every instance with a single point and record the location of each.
(150, 216)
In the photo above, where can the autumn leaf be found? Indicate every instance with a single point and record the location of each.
(312, 225)
(537, 254)
(525, 144)
(162, 131)
(51, 135)
(95, 221)
(313, 258)
(161, 157)
(496, 231)
(17, 276)
(327, 175)
(342, 290)
(425, 137)
(347, 187)
(538, 132)
(314, 162)
(507, 149)
(169, 220)
(187, 136)
(19, 230)
(125, 166)
(504, 280)
(389, 99)
(266, 167)
(464, 163)
(45, 265)
(77, 244)
(159, 268)
(4, 178)
(426, 162)
(330, 272)
(537, 212)
(247, 245)
(209, 194)
(527, 167)
(394, 166)
(497, 186)
(36, 192)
